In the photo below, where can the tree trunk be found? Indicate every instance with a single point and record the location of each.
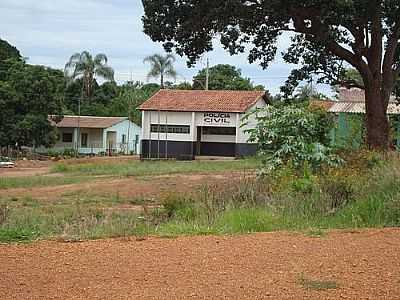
(162, 81)
(377, 119)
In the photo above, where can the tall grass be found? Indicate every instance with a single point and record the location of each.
(368, 198)
(359, 195)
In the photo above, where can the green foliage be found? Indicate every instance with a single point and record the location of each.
(8, 51)
(293, 135)
(85, 66)
(27, 96)
(223, 77)
(8, 55)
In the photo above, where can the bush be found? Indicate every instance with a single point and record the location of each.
(70, 152)
(295, 135)
(179, 207)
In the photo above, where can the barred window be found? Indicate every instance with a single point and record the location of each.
(67, 137)
(178, 129)
(219, 130)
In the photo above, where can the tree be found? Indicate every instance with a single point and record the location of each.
(8, 55)
(222, 77)
(83, 65)
(8, 51)
(327, 36)
(161, 66)
(28, 95)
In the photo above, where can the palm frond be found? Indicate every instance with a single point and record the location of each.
(105, 72)
(100, 59)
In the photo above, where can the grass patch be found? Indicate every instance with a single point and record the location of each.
(317, 285)
(37, 181)
(151, 168)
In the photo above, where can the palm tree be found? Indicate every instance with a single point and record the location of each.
(161, 66)
(84, 66)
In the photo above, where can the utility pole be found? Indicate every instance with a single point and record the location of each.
(207, 73)
(79, 127)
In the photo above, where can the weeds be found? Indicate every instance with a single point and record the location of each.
(362, 196)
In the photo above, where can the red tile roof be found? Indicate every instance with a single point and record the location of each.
(202, 101)
(88, 122)
(324, 104)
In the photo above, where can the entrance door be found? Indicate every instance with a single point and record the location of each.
(84, 140)
(198, 143)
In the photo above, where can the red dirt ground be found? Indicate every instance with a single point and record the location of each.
(127, 188)
(364, 265)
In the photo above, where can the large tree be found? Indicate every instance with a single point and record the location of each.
(326, 33)
(222, 77)
(86, 67)
(27, 96)
(161, 66)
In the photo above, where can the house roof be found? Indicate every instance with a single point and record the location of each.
(324, 104)
(88, 122)
(202, 101)
(353, 101)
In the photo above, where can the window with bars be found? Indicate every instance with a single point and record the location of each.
(178, 129)
(219, 130)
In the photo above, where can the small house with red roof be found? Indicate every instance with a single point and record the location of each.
(184, 124)
(95, 135)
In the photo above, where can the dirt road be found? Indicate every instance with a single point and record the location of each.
(341, 265)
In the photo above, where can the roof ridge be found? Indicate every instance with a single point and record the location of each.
(76, 116)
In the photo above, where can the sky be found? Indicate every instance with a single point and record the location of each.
(48, 32)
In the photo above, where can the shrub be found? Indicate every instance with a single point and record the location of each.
(179, 207)
(295, 135)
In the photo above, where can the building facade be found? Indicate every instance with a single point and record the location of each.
(185, 124)
(96, 135)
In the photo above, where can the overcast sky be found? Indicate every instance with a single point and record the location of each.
(48, 32)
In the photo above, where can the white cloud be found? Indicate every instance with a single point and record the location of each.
(49, 32)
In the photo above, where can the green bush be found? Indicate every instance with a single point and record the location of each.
(294, 134)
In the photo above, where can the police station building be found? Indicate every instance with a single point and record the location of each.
(185, 124)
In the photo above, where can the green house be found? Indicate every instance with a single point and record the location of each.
(350, 113)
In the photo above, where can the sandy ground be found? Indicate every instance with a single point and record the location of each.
(364, 265)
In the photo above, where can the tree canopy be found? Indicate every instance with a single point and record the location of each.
(27, 96)
(326, 35)
(8, 51)
(85, 66)
(223, 77)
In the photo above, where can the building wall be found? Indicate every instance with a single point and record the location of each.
(132, 134)
(97, 139)
(186, 144)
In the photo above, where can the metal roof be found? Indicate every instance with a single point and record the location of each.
(359, 108)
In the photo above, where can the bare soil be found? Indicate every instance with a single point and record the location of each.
(127, 188)
(358, 265)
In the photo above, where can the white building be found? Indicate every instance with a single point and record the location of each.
(185, 124)
(94, 135)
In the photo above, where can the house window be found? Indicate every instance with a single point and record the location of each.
(84, 140)
(67, 137)
(178, 129)
(124, 139)
(219, 130)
